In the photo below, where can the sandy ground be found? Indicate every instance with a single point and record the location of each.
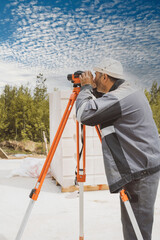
(56, 215)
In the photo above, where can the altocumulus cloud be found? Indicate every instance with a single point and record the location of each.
(60, 37)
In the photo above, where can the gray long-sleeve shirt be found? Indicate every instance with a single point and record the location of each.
(130, 142)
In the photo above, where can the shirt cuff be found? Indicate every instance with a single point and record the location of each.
(87, 86)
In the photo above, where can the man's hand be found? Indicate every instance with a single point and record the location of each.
(87, 78)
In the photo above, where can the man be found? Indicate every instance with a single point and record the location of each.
(130, 142)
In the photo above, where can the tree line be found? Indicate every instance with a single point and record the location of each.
(153, 97)
(24, 114)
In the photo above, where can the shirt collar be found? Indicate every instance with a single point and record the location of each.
(114, 87)
(117, 83)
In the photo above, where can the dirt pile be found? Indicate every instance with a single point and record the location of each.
(25, 146)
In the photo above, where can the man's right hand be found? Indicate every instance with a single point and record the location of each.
(87, 78)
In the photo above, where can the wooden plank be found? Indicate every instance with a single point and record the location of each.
(86, 188)
(3, 154)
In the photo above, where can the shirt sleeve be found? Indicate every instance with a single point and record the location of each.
(91, 111)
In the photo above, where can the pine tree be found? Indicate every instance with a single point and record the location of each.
(153, 97)
(23, 115)
(41, 111)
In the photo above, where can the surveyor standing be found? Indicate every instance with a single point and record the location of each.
(130, 142)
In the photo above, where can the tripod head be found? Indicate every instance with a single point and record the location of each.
(74, 78)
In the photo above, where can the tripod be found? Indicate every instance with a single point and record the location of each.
(81, 173)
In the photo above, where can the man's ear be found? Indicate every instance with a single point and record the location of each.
(106, 78)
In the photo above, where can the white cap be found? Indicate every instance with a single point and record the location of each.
(110, 67)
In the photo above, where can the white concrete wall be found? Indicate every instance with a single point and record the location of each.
(64, 161)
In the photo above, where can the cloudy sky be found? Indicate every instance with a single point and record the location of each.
(57, 37)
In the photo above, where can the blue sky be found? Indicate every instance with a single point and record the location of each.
(60, 37)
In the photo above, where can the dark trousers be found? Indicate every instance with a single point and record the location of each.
(143, 193)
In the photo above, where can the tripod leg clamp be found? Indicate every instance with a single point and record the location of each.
(32, 192)
(125, 196)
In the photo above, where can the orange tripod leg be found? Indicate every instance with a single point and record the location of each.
(98, 133)
(127, 204)
(35, 192)
(131, 215)
(81, 176)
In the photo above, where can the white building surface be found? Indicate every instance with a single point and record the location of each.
(64, 162)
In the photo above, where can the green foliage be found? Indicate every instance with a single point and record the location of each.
(24, 115)
(153, 97)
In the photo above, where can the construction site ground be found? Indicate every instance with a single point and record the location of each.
(55, 215)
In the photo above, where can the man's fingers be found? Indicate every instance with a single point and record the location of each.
(87, 74)
(86, 78)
